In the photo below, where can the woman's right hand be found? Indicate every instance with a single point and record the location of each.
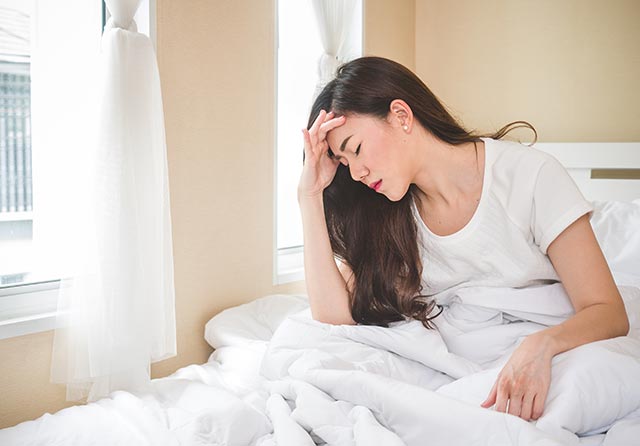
(319, 168)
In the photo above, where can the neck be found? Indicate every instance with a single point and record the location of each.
(446, 173)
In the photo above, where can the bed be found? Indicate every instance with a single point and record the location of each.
(277, 377)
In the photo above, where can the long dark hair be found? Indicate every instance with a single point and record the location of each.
(375, 237)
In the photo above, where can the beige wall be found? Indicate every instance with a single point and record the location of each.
(25, 391)
(569, 67)
(216, 63)
(217, 66)
(389, 30)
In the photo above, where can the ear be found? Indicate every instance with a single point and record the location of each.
(400, 115)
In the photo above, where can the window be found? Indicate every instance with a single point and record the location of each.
(16, 200)
(69, 36)
(298, 51)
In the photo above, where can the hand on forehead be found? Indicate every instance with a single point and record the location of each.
(355, 129)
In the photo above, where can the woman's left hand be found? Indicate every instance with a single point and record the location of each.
(522, 385)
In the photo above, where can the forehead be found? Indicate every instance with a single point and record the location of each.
(358, 127)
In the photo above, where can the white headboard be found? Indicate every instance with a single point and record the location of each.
(581, 158)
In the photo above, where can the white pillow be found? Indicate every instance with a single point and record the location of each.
(617, 227)
(254, 321)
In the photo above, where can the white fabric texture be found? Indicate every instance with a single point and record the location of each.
(357, 385)
(117, 308)
(617, 228)
(277, 377)
(527, 200)
(334, 19)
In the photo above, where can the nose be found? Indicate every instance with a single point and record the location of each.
(358, 171)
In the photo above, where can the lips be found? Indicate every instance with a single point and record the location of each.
(376, 186)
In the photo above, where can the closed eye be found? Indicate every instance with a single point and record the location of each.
(339, 158)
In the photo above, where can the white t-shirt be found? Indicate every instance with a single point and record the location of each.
(527, 200)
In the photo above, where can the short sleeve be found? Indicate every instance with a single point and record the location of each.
(557, 202)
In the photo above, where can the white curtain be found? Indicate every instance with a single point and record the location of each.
(116, 302)
(335, 20)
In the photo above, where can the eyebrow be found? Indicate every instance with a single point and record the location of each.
(343, 146)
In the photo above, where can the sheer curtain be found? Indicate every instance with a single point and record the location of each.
(335, 19)
(116, 301)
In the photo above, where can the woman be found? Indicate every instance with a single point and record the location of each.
(415, 207)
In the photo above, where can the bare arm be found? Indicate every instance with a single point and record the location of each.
(326, 287)
(523, 383)
(583, 270)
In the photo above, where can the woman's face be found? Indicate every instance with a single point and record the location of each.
(374, 151)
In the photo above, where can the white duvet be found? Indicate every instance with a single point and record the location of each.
(278, 377)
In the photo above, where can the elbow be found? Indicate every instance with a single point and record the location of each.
(621, 325)
(624, 324)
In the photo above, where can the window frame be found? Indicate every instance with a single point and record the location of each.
(288, 262)
(28, 308)
(31, 307)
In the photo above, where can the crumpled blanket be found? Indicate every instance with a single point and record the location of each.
(425, 386)
(277, 377)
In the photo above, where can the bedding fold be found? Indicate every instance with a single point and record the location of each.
(438, 378)
(279, 377)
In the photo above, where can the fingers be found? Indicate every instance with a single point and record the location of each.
(508, 400)
(491, 399)
(330, 124)
(324, 123)
(319, 120)
(523, 383)
(538, 406)
(527, 406)
(515, 405)
(502, 398)
(307, 139)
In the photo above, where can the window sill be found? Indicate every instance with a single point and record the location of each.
(289, 265)
(16, 216)
(28, 308)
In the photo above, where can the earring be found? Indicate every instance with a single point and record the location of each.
(405, 128)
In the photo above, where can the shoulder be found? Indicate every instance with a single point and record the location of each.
(516, 170)
(517, 159)
(513, 168)
(535, 190)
